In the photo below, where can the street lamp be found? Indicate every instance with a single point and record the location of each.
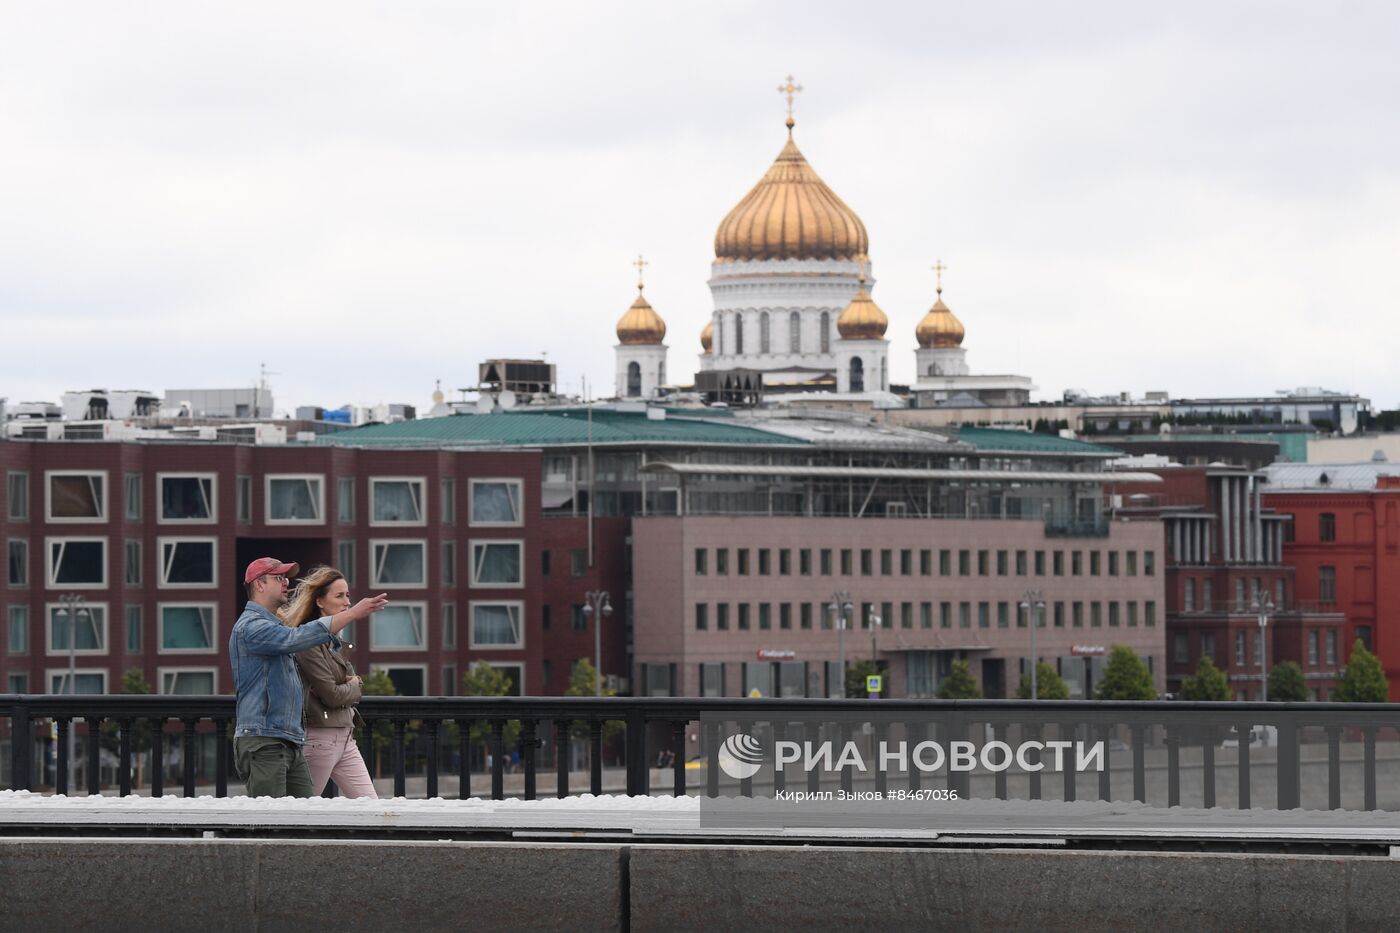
(1031, 602)
(841, 608)
(601, 606)
(1263, 606)
(73, 608)
(873, 622)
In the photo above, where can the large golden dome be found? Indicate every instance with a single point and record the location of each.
(862, 319)
(641, 324)
(791, 214)
(707, 336)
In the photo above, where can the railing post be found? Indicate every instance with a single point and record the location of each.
(1137, 731)
(812, 731)
(157, 757)
(464, 764)
(60, 778)
(124, 757)
(527, 756)
(595, 756)
(1289, 792)
(94, 755)
(561, 757)
(678, 759)
(712, 759)
(1035, 734)
(498, 782)
(961, 781)
(636, 753)
(400, 733)
(1334, 767)
(1368, 775)
(1106, 775)
(21, 740)
(432, 784)
(1208, 769)
(999, 734)
(221, 757)
(1070, 776)
(1173, 767)
(1244, 732)
(187, 756)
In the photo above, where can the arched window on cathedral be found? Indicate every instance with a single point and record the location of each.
(883, 384)
(794, 333)
(857, 375)
(764, 345)
(661, 373)
(826, 332)
(719, 336)
(634, 379)
(739, 334)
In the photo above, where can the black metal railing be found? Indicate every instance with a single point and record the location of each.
(1172, 740)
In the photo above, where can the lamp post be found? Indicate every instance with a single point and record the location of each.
(841, 608)
(1031, 602)
(73, 608)
(597, 608)
(874, 622)
(1263, 606)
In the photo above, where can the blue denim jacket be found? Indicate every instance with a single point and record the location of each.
(270, 694)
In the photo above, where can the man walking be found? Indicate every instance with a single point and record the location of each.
(269, 733)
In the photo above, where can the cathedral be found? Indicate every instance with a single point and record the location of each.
(791, 283)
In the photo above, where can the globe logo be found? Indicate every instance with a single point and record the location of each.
(741, 756)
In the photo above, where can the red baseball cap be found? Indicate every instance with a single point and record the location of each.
(266, 565)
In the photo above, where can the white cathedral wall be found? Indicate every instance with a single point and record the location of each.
(744, 291)
(945, 361)
(874, 358)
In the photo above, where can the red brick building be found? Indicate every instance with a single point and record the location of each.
(1345, 546)
(1226, 556)
(154, 536)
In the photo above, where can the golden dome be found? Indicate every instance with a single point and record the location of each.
(791, 214)
(641, 324)
(707, 336)
(862, 319)
(940, 328)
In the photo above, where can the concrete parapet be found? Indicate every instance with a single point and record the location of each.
(273, 885)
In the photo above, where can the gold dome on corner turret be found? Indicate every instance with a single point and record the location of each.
(641, 324)
(790, 213)
(940, 328)
(707, 336)
(862, 319)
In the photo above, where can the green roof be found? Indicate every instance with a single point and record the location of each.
(558, 427)
(989, 439)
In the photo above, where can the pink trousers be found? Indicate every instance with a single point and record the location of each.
(331, 753)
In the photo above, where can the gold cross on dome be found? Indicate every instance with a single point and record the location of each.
(640, 264)
(790, 90)
(939, 269)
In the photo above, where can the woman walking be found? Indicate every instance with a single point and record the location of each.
(332, 689)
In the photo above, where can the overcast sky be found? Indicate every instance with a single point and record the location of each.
(1198, 198)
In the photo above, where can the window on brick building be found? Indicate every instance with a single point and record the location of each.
(1327, 527)
(1327, 584)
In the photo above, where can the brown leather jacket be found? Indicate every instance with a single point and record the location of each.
(331, 697)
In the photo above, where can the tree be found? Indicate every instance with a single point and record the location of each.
(1049, 685)
(581, 684)
(856, 672)
(959, 684)
(1286, 684)
(1209, 683)
(483, 680)
(1363, 681)
(133, 682)
(1125, 677)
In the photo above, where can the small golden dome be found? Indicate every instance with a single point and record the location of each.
(641, 324)
(707, 336)
(438, 397)
(940, 328)
(791, 214)
(862, 319)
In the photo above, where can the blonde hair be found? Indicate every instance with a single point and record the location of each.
(301, 607)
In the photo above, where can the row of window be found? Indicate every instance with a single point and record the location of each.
(289, 499)
(1199, 596)
(1321, 645)
(902, 562)
(909, 615)
(192, 628)
(408, 679)
(82, 563)
(735, 332)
